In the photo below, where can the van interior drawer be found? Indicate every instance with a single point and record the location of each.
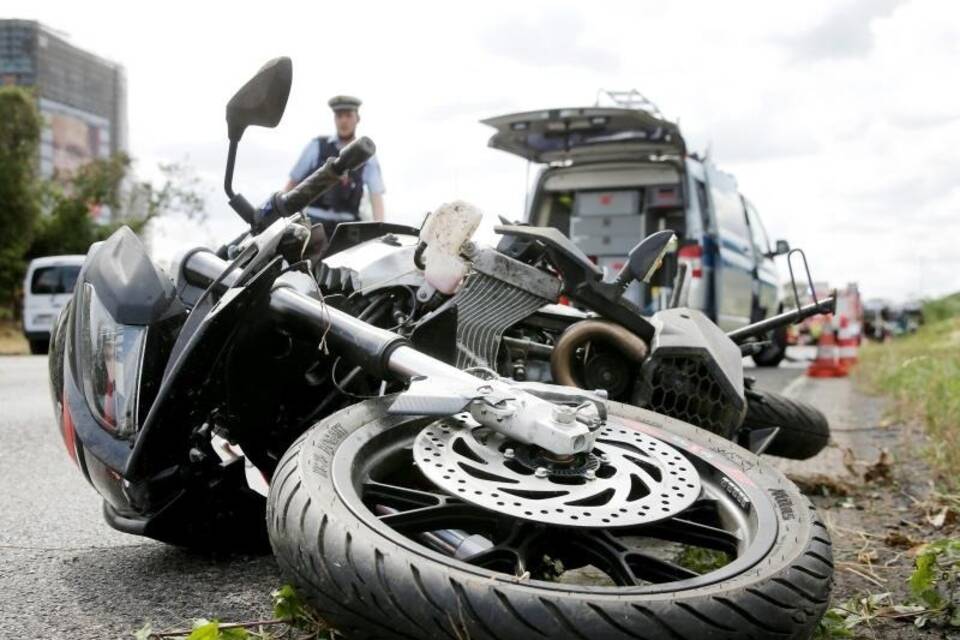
(606, 235)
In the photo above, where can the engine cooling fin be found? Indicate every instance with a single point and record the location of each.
(487, 307)
(497, 293)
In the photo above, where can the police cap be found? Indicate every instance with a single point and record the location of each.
(344, 103)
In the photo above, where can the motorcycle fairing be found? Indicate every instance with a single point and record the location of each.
(693, 373)
(128, 283)
(163, 439)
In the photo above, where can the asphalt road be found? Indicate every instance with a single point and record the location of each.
(65, 574)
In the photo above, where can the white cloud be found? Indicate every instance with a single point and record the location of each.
(840, 121)
(554, 37)
(845, 32)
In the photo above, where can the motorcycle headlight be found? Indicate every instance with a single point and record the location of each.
(111, 357)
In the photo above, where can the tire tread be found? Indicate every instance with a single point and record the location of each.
(374, 591)
(804, 430)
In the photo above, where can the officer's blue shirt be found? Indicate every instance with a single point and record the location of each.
(307, 164)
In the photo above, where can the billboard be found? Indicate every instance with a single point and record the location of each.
(71, 138)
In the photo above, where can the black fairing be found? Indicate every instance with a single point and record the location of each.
(180, 405)
(134, 292)
(349, 234)
(694, 373)
(127, 282)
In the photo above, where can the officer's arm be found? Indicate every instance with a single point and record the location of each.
(376, 203)
(374, 181)
(304, 167)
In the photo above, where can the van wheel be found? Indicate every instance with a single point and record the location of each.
(775, 352)
(39, 347)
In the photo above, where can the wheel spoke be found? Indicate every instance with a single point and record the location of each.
(529, 548)
(704, 510)
(521, 549)
(400, 497)
(498, 558)
(452, 515)
(652, 569)
(694, 533)
(608, 554)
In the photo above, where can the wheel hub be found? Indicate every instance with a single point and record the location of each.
(628, 479)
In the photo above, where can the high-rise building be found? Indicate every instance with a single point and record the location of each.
(83, 97)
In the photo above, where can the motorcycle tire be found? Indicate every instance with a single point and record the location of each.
(367, 580)
(804, 430)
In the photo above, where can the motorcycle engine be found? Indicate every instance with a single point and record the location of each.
(497, 292)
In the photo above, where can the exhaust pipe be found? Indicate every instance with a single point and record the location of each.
(578, 334)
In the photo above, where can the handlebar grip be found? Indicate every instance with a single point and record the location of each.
(354, 155)
(351, 157)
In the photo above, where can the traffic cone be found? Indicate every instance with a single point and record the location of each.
(827, 364)
(848, 350)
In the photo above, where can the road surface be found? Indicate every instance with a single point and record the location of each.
(65, 574)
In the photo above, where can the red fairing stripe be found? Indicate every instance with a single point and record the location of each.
(69, 431)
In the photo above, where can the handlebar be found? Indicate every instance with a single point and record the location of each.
(351, 157)
(758, 329)
(379, 351)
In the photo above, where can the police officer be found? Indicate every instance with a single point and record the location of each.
(342, 202)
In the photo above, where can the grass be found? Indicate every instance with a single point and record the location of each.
(293, 619)
(921, 372)
(12, 342)
(943, 308)
(933, 598)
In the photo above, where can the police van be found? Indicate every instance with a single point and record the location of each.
(46, 289)
(612, 175)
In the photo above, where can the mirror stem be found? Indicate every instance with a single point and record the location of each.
(231, 160)
(237, 202)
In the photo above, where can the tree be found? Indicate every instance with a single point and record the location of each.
(20, 126)
(70, 227)
(53, 217)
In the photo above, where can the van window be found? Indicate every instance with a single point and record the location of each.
(758, 234)
(54, 280)
(729, 209)
(555, 211)
(702, 201)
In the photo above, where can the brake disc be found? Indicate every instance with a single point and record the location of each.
(628, 479)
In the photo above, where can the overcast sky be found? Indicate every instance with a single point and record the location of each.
(840, 120)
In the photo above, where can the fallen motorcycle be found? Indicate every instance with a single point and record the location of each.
(411, 493)
(494, 309)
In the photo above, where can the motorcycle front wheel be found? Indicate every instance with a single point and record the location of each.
(382, 552)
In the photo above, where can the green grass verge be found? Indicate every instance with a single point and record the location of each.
(921, 372)
(942, 308)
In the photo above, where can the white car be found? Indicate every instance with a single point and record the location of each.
(47, 287)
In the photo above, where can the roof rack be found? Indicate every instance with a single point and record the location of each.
(629, 99)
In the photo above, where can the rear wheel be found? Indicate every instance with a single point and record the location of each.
(804, 430)
(383, 552)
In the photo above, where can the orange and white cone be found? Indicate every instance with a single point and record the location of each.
(827, 363)
(848, 342)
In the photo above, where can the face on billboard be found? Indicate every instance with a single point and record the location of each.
(75, 142)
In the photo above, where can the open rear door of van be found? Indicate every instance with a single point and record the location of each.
(586, 134)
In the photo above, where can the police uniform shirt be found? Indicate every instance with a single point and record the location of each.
(307, 164)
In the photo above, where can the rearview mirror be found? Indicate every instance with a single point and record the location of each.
(262, 100)
(645, 258)
(783, 248)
